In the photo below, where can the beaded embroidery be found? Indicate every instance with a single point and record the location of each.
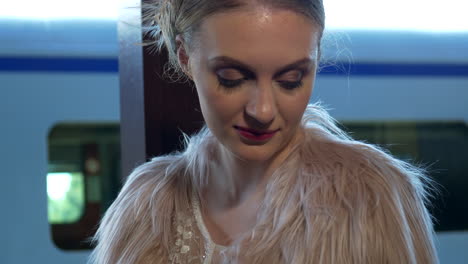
(186, 248)
(192, 243)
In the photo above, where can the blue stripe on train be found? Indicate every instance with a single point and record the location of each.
(110, 65)
(58, 64)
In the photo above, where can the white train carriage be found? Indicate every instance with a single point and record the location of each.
(59, 112)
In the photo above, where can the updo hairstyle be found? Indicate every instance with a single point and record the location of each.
(164, 20)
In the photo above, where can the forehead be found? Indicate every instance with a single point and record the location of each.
(259, 36)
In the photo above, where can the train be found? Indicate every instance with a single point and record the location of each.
(60, 111)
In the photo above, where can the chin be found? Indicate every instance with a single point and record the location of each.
(251, 152)
(260, 153)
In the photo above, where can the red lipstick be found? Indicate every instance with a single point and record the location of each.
(255, 135)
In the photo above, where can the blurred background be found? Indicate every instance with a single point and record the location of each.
(394, 73)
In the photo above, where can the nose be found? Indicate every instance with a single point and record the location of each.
(262, 104)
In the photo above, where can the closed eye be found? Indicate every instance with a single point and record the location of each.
(291, 79)
(233, 77)
(230, 77)
(290, 85)
(229, 83)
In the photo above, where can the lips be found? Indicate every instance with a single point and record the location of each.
(254, 134)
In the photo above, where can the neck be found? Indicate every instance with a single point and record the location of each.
(234, 180)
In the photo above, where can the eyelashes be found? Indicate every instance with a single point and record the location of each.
(228, 83)
(233, 83)
(290, 85)
(236, 83)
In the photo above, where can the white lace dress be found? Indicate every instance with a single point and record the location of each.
(193, 243)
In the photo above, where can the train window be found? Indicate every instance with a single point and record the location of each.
(83, 179)
(442, 147)
(84, 171)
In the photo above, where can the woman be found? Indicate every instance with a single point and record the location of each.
(270, 179)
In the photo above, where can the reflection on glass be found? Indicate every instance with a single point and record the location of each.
(442, 148)
(65, 191)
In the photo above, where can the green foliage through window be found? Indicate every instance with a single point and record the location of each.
(66, 201)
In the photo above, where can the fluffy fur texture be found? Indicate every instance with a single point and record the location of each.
(334, 200)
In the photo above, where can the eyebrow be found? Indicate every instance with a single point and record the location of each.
(243, 67)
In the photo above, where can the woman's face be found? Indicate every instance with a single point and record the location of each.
(254, 72)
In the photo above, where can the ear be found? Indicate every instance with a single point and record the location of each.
(182, 56)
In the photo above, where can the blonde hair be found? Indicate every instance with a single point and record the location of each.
(164, 20)
(334, 200)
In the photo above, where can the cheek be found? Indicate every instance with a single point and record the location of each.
(218, 107)
(293, 107)
(204, 86)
